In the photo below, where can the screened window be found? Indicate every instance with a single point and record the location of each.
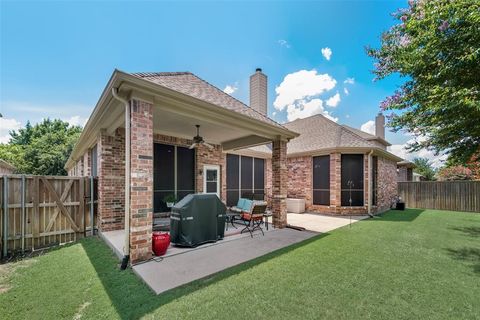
(352, 180)
(93, 156)
(374, 180)
(409, 174)
(245, 178)
(173, 174)
(321, 180)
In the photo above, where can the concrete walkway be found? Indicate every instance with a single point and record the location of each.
(177, 270)
(320, 223)
(183, 265)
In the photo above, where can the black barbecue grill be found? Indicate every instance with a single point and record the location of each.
(197, 219)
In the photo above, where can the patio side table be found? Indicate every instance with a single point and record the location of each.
(267, 215)
(230, 218)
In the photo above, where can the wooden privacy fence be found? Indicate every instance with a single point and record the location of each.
(442, 195)
(42, 211)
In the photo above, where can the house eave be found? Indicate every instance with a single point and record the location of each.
(324, 151)
(137, 88)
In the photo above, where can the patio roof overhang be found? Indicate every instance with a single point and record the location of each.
(175, 114)
(376, 151)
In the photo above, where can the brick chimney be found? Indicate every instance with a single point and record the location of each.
(380, 125)
(258, 91)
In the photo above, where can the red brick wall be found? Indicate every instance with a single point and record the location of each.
(205, 156)
(268, 181)
(387, 184)
(141, 181)
(279, 183)
(300, 184)
(300, 179)
(111, 182)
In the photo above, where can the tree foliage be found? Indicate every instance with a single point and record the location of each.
(453, 173)
(41, 149)
(424, 167)
(436, 47)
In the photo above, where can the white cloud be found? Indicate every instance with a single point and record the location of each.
(284, 43)
(345, 90)
(327, 53)
(274, 113)
(401, 150)
(349, 81)
(368, 127)
(302, 109)
(7, 125)
(77, 121)
(333, 101)
(229, 89)
(301, 85)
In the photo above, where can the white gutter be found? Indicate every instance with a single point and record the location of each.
(370, 183)
(126, 246)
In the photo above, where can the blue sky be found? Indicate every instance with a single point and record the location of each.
(56, 57)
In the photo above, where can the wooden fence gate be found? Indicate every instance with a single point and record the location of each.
(43, 211)
(441, 195)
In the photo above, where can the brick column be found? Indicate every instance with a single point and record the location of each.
(335, 180)
(279, 183)
(111, 181)
(141, 181)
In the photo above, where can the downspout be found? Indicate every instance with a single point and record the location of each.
(126, 246)
(370, 183)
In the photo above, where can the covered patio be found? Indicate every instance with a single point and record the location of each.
(143, 129)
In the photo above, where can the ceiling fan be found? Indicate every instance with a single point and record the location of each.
(198, 140)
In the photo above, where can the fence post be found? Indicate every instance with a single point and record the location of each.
(5, 215)
(22, 221)
(92, 205)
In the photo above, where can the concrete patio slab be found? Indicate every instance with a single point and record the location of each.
(180, 269)
(320, 223)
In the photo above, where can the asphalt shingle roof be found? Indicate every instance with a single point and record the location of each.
(317, 132)
(191, 85)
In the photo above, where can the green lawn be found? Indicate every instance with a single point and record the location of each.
(404, 265)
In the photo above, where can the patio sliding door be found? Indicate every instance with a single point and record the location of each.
(321, 180)
(173, 174)
(352, 180)
(245, 178)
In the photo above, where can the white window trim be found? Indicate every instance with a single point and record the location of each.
(211, 167)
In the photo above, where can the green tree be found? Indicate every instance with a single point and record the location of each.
(41, 149)
(424, 167)
(435, 46)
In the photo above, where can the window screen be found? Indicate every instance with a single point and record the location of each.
(352, 180)
(258, 179)
(321, 180)
(409, 174)
(233, 182)
(165, 177)
(185, 172)
(245, 178)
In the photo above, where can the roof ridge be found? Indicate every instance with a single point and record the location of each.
(355, 134)
(152, 74)
(232, 97)
(346, 126)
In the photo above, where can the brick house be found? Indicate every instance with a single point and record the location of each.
(339, 169)
(147, 122)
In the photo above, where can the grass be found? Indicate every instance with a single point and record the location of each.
(411, 265)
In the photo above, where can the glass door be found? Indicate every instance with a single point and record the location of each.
(211, 179)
